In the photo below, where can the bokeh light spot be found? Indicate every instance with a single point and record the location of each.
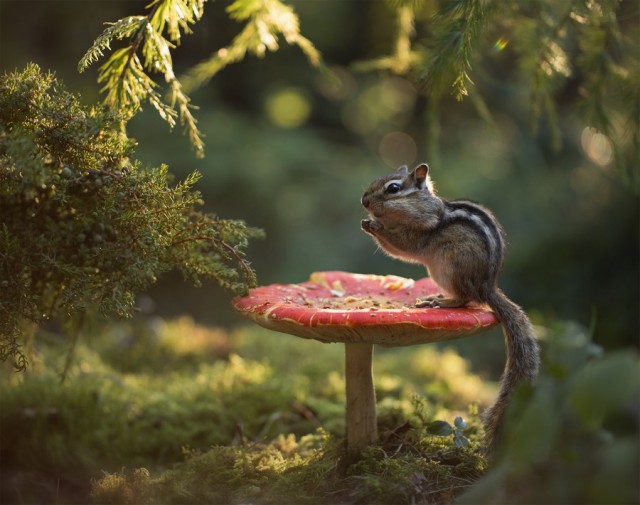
(501, 43)
(398, 148)
(397, 94)
(597, 146)
(288, 108)
(339, 85)
(380, 106)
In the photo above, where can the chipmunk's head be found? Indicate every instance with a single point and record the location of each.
(402, 197)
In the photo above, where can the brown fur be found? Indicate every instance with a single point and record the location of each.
(461, 246)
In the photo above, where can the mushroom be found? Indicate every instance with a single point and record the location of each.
(359, 311)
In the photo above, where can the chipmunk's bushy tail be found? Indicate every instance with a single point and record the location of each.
(523, 361)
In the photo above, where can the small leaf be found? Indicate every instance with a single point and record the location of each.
(440, 428)
(460, 423)
(461, 440)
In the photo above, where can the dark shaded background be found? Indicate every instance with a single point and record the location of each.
(291, 153)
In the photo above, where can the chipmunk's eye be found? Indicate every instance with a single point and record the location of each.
(393, 187)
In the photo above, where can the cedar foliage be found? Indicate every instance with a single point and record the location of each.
(83, 226)
(126, 73)
(579, 48)
(579, 57)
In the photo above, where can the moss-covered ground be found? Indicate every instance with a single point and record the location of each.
(172, 412)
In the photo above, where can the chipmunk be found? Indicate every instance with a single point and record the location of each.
(462, 246)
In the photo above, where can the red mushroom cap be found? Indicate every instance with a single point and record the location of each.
(357, 308)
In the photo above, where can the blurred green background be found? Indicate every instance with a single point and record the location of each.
(290, 151)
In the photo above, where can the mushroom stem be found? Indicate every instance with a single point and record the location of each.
(362, 430)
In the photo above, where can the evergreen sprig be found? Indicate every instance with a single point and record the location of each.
(83, 227)
(581, 44)
(266, 21)
(443, 64)
(124, 28)
(543, 61)
(609, 63)
(126, 75)
(404, 58)
(457, 27)
(554, 44)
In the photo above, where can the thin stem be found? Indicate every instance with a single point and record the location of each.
(362, 430)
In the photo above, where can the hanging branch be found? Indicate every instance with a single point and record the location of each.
(404, 58)
(151, 38)
(126, 82)
(266, 21)
(552, 44)
(457, 26)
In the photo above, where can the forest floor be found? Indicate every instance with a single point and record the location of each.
(173, 412)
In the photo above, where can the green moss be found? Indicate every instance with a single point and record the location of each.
(304, 471)
(246, 404)
(249, 417)
(287, 469)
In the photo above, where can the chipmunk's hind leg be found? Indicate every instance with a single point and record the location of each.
(427, 302)
(439, 300)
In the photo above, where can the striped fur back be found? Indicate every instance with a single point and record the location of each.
(483, 220)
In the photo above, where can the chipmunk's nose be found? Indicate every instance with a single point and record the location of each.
(365, 201)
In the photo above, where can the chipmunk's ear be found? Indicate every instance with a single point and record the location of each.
(403, 170)
(421, 176)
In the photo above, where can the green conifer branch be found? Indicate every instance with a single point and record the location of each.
(266, 21)
(609, 91)
(84, 226)
(126, 82)
(457, 28)
(544, 62)
(554, 43)
(176, 16)
(124, 28)
(404, 58)
(125, 75)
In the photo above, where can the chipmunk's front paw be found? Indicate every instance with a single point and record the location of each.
(370, 225)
